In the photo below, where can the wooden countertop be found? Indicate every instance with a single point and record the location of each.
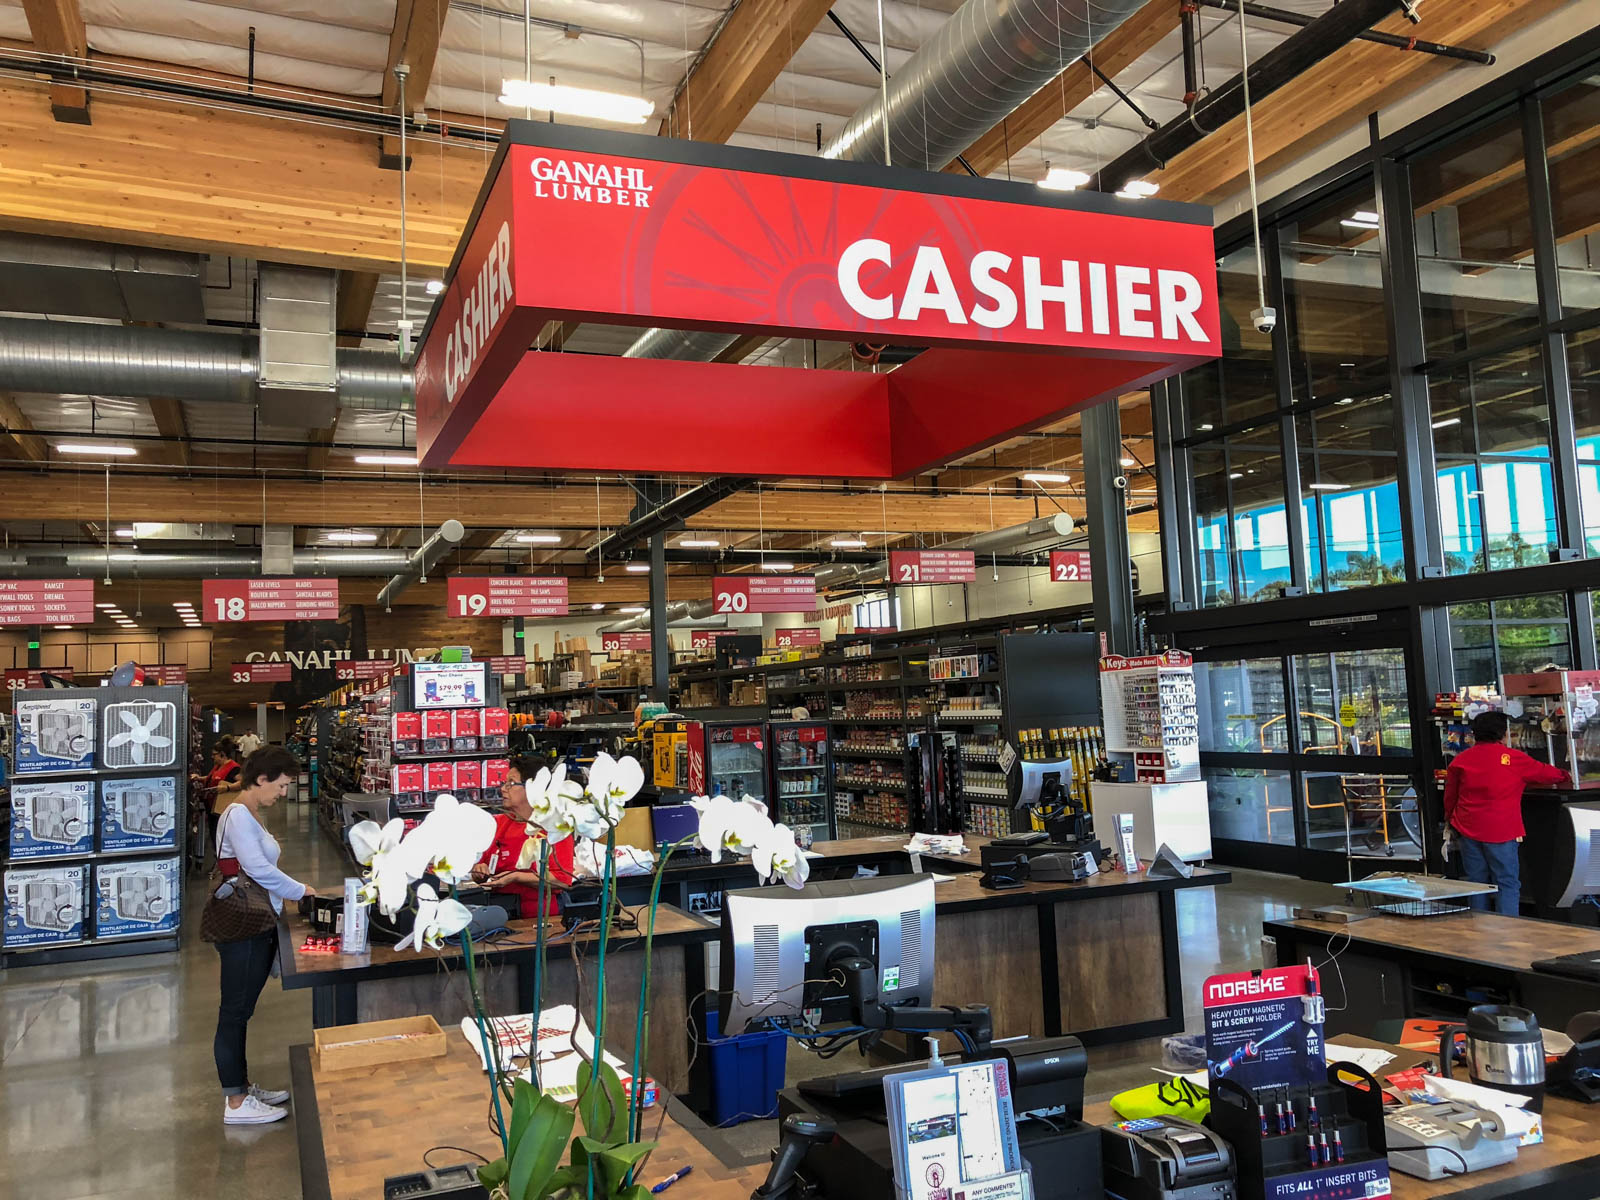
(301, 970)
(357, 1128)
(964, 892)
(1510, 943)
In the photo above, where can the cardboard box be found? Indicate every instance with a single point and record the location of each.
(436, 731)
(373, 1043)
(52, 819)
(496, 733)
(465, 726)
(134, 899)
(55, 735)
(406, 733)
(495, 771)
(138, 814)
(407, 779)
(44, 906)
(468, 776)
(441, 777)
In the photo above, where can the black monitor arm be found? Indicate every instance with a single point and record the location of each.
(860, 976)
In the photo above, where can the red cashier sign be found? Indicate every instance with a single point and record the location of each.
(623, 228)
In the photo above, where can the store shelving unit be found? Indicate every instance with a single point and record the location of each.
(144, 878)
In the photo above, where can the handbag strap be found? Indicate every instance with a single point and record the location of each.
(226, 867)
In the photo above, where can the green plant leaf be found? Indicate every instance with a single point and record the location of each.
(492, 1175)
(524, 1097)
(604, 1109)
(535, 1158)
(613, 1163)
(637, 1192)
(567, 1177)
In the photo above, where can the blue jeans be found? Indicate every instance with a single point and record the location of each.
(1496, 863)
(246, 967)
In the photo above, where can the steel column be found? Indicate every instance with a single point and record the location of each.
(660, 648)
(1294, 513)
(1174, 498)
(1107, 525)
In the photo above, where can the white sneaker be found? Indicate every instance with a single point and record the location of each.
(251, 1112)
(268, 1096)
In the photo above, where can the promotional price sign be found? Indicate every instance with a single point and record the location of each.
(1070, 566)
(763, 593)
(508, 596)
(260, 672)
(33, 677)
(704, 639)
(508, 664)
(615, 643)
(277, 599)
(361, 669)
(932, 566)
(46, 601)
(788, 639)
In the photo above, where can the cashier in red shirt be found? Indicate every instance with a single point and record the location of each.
(497, 868)
(1483, 807)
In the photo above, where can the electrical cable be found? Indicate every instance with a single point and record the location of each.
(1250, 162)
(1333, 959)
(457, 1149)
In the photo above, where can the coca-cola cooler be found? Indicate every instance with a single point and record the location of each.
(728, 758)
(802, 779)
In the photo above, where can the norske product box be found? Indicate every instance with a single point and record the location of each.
(44, 906)
(55, 735)
(139, 814)
(136, 898)
(52, 818)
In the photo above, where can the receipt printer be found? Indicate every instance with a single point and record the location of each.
(1166, 1158)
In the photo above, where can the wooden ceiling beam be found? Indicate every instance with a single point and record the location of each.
(170, 422)
(414, 40)
(16, 438)
(58, 29)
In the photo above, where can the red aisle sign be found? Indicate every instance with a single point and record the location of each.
(875, 629)
(276, 599)
(361, 669)
(615, 643)
(167, 674)
(260, 672)
(508, 664)
(508, 596)
(33, 677)
(1070, 566)
(763, 593)
(932, 566)
(788, 639)
(46, 601)
(704, 639)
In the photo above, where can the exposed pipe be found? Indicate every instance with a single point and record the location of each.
(1293, 57)
(1189, 24)
(75, 357)
(667, 515)
(983, 62)
(49, 562)
(444, 539)
(1421, 45)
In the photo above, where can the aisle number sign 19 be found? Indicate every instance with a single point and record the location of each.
(507, 596)
(1070, 566)
(763, 593)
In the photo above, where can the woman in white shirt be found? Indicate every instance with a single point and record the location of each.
(243, 845)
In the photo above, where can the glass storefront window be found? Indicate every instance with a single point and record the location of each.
(1241, 706)
(1241, 384)
(1209, 469)
(1570, 119)
(1474, 238)
(1260, 523)
(1583, 367)
(1333, 297)
(1489, 639)
(1351, 495)
(1369, 816)
(1353, 702)
(1494, 405)
(1250, 806)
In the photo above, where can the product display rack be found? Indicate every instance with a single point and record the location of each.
(172, 762)
(410, 767)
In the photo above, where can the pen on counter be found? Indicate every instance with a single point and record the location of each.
(671, 1179)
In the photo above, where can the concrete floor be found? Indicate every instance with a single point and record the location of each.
(108, 1089)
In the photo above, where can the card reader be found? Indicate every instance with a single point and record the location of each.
(1166, 1158)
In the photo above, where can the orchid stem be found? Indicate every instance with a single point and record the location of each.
(538, 958)
(600, 984)
(483, 1034)
(641, 1026)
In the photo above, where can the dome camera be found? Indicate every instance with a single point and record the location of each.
(1264, 319)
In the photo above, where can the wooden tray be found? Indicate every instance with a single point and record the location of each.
(351, 1047)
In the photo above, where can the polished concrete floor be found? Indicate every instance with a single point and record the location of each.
(107, 1087)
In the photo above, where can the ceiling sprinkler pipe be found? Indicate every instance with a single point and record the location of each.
(427, 556)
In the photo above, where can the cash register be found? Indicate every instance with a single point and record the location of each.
(1065, 850)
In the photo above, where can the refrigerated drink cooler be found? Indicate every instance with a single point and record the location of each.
(728, 758)
(802, 779)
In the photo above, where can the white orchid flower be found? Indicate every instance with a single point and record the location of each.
(529, 854)
(621, 781)
(540, 794)
(729, 824)
(600, 772)
(557, 816)
(777, 854)
(436, 920)
(452, 838)
(391, 864)
(578, 818)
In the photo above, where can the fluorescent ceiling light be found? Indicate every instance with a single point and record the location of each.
(1447, 422)
(1352, 223)
(61, 627)
(1347, 400)
(699, 543)
(633, 608)
(92, 450)
(349, 535)
(1128, 462)
(1236, 475)
(1330, 487)
(124, 533)
(435, 286)
(1046, 477)
(358, 557)
(1365, 215)
(539, 539)
(596, 607)
(637, 568)
(775, 565)
(108, 607)
(1139, 189)
(847, 543)
(387, 460)
(1060, 179)
(576, 101)
(1205, 428)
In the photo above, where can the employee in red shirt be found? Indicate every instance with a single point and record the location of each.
(1483, 807)
(497, 868)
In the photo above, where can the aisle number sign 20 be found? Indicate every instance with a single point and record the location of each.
(763, 593)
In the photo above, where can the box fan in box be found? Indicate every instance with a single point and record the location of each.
(139, 733)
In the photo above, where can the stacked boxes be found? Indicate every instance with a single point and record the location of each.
(44, 906)
(52, 818)
(139, 814)
(136, 898)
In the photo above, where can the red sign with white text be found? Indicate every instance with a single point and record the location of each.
(763, 593)
(350, 670)
(260, 672)
(788, 639)
(33, 677)
(603, 226)
(508, 664)
(166, 674)
(507, 596)
(932, 566)
(46, 601)
(1070, 566)
(616, 643)
(704, 639)
(276, 599)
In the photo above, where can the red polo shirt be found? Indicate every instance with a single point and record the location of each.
(509, 835)
(1483, 790)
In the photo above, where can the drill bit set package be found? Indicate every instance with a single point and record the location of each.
(52, 818)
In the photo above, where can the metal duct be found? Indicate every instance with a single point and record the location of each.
(49, 562)
(988, 58)
(445, 539)
(296, 350)
(1037, 534)
(72, 278)
(75, 358)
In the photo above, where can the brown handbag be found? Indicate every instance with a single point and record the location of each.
(238, 908)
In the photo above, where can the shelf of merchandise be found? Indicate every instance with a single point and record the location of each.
(93, 944)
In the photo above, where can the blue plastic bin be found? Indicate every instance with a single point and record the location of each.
(746, 1073)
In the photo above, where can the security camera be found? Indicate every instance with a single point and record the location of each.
(1120, 483)
(1264, 319)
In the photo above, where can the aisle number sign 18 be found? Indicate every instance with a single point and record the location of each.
(271, 599)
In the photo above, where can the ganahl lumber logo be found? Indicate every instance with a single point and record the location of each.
(590, 182)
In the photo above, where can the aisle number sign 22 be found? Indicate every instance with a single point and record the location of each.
(1070, 566)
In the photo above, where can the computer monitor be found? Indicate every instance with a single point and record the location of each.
(673, 822)
(779, 944)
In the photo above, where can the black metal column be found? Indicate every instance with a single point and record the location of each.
(1174, 497)
(1107, 525)
(660, 649)
(1294, 513)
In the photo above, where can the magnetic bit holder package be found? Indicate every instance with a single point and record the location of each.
(55, 735)
(137, 814)
(136, 898)
(52, 818)
(44, 906)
